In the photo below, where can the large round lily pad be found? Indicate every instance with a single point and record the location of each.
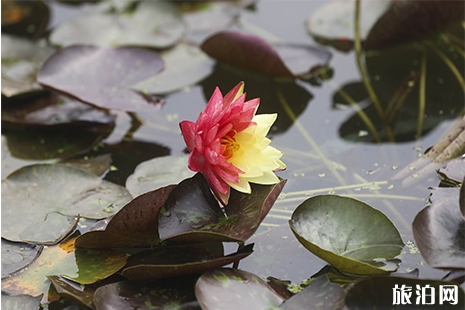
(347, 233)
(102, 76)
(43, 195)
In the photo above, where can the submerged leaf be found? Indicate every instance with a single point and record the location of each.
(253, 53)
(347, 233)
(21, 301)
(94, 165)
(36, 196)
(231, 289)
(25, 18)
(155, 24)
(102, 76)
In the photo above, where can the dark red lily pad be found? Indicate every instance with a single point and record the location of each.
(176, 261)
(231, 289)
(134, 225)
(253, 53)
(102, 76)
(439, 231)
(411, 20)
(174, 293)
(192, 214)
(53, 110)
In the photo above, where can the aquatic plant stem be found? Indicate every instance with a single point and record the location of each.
(136, 122)
(448, 63)
(366, 81)
(422, 95)
(306, 136)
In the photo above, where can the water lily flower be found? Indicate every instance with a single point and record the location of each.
(228, 144)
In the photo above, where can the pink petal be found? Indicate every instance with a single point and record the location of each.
(215, 104)
(188, 132)
(228, 99)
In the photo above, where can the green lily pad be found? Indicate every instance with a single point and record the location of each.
(176, 261)
(97, 165)
(165, 294)
(158, 172)
(52, 110)
(82, 266)
(102, 76)
(235, 289)
(22, 301)
(21, 60)
(156, 24)
(347, 233)
(252, 53)
(192, 214)
(40, 195)
(49, 143)
(321, 293)
(185, 65)
(16, 256)
(134, 225)
(378, 293)
(439, 231)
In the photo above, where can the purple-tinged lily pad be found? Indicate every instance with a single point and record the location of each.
(16, 256)
(53, 110)
(134, 225)
(165, 294)
(321, 293)
(22, 301)
(410, 20)
(253, 53)
(158, 172)
(40, 196)
(82, 266)
(185, 65)
(21, 60)
(439, 231)
(102, 76)
(231, 289)
(347, 233)
(333, 22)
(192, 214)
(382, 292)
(177, 261)
(155, 24)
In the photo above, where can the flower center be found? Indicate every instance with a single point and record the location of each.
(229, 144)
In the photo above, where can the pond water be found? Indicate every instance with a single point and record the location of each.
(326, 148)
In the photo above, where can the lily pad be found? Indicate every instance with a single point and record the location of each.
(185, 65)
(253, 53)
(49, 143)
(158, 172)
(53, 110)
(334, 21)
(16, 256)
(40, 195)
(378, 293)
(94, 165)
(192, 214)
(347, 233)
(166, 294)
(321, 293)
(102, 76)
(134, 225)
(178, 261)
(439, 231)
(21, 60)
(413, 20)
(82, 266)
(234, 289)
(21, 301)
(156, 24)
(454, 170)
